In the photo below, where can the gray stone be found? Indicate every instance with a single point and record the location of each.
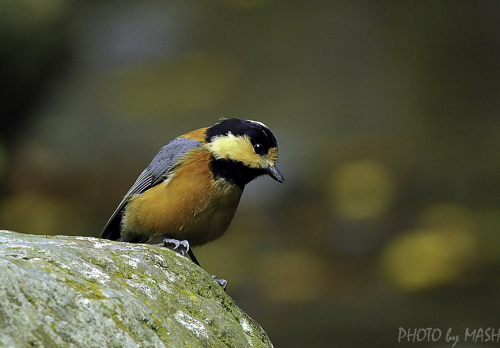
(59, 291)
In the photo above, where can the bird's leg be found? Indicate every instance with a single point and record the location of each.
(179, 246)
(221, 282)
(182, 247)
(193, 258)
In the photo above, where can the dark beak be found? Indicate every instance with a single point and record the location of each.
(274, 173)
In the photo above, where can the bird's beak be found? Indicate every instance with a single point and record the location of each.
(274, 173)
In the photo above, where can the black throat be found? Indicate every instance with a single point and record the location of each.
(234, 172)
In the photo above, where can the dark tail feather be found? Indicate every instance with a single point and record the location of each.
(112, 230)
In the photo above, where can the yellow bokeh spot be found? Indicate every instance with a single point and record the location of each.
(438, 253)
(361, 189)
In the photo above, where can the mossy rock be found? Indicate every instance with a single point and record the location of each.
(59, 291)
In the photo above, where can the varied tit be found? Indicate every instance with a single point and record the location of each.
(188, 194)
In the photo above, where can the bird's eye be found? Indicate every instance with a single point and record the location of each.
(259, 149)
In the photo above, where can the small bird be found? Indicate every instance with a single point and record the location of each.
(189, 193)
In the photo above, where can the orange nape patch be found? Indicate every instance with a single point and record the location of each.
(190, 205)
(198, 134)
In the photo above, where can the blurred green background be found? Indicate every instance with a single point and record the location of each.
(387, 118)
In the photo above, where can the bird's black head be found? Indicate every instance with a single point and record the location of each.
(243, 150)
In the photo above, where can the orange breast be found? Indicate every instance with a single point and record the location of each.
(190, 205)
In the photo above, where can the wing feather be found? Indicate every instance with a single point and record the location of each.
(167, 159)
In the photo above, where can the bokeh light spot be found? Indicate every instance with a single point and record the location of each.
(361, 189)
(438, 253)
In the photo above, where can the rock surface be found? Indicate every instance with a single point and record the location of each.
(58, 291)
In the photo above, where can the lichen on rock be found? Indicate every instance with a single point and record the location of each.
(60, 291)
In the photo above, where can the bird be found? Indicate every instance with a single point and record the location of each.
(188, 195)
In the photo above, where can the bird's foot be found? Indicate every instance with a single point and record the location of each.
(182, 247)
(221, 282)
(179, 246)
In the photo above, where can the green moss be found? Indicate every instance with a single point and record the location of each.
(45, 338)
(48, 269)
(119, 323)
(32, 300)
(88, 289)
(99, 263)
(152, 323)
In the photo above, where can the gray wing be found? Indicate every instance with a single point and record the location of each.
(162, 164)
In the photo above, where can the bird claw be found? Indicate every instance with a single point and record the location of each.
(182, 247)
(179, 246)
(221, 282)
